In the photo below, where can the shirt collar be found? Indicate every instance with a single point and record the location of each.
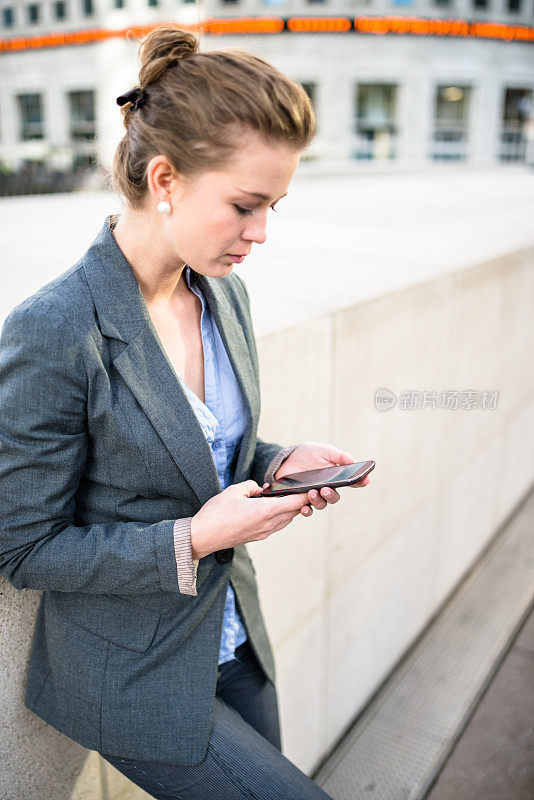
(191, 276)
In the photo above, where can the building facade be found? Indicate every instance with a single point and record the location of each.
(403, 81)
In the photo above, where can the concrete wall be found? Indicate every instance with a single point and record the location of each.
(347, 591)
(36, 762)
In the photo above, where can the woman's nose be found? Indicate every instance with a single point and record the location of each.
(256, 230)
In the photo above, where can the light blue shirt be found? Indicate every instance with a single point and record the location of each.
(223, 418)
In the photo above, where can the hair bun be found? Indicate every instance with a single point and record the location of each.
(164, 48)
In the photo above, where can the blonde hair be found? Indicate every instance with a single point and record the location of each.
(191, 107)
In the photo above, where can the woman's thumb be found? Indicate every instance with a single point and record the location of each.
(249, 488)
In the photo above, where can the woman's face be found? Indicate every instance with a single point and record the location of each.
(217, 216)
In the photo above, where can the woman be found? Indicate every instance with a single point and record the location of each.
(130, 465)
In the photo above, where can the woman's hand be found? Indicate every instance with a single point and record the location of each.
(314, 455)
(238, 515)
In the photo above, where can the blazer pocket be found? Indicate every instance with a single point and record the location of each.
(111, 618)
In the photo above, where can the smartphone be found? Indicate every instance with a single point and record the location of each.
(298, 482)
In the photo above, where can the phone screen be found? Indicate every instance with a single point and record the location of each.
(318, 476)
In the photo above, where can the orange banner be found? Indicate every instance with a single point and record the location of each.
(444, 27)
(307, 24)
(416, 26)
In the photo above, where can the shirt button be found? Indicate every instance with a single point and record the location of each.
(215, 445)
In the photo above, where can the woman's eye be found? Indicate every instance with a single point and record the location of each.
(244, 211)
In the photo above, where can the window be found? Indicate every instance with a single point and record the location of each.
(310, 89)
(34, 12)
(517, 107)
(514, 5)
(375, 124)
(8, 17)
(442, 3)
(451, 119)
(82, 115)
(480, 3)
(82, 128)
(153, 3)
(60, 9)
(87, 7)
(30, 116)
(118, 3)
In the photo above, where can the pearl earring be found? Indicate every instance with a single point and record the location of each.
(163, 207)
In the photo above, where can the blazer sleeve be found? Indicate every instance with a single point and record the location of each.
(43, 450)
(267, 459)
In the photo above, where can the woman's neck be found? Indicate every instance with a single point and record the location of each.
(160, 277)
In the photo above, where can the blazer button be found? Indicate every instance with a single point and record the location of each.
(224, 556)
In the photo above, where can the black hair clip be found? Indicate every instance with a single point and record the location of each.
(135, 96)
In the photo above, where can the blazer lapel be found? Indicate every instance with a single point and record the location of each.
(151, 378)
(144, 366)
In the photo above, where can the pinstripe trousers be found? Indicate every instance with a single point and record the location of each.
(244, 759)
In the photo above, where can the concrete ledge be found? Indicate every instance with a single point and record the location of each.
(36, 762)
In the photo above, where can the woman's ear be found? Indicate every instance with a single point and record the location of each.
(162, 179)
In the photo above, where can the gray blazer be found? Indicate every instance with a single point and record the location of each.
(100, 452)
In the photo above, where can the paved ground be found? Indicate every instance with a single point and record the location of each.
(338, 238)
(399, 743)
(494, 758)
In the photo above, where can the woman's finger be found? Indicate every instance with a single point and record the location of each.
(316, 500)
(326, 496)
(341, 458)
(282, 520)
(330, 495)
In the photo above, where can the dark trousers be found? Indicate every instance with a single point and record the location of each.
(243, 761)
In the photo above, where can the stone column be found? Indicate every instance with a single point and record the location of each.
(36, 761)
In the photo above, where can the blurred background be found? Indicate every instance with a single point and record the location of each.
(403, 81)
(393, 304)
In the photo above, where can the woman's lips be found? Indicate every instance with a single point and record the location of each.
(235, 258)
